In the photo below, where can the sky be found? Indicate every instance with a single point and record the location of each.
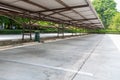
(118, 4)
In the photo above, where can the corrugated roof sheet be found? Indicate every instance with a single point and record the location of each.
(73, 12)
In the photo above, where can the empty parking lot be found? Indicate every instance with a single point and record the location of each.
(91, 57)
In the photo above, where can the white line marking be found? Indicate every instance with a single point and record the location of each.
(50, 67)
(115, 40)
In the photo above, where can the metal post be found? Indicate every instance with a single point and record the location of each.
(23, 32)
(76, 31)
(63, 30)
(30, 33)
(30, 27)
(79, 32)
(58, 32)
(83, 31)
(72, 32)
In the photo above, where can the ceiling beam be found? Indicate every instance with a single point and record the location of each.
(13, 7)
(34, 4)
(68, 8)
(83, 19)
(14, 10)
(62, 3)
(40, 6)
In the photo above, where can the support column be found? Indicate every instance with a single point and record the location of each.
(79, 32)
(72, 31)
(23, 25)
(84, 31)
(76, 31)
(23, 32)
(30, 27)
(30, 32)
(63, 29)
(58, 31)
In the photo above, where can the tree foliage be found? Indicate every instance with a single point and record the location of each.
(106, 9)
(7, 22)
(115, 25)
(18, 21)
(45, 23)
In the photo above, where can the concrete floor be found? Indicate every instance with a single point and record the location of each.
(91, 57)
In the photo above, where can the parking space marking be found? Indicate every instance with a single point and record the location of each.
(50, 67)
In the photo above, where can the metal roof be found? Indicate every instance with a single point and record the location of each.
(73, 12)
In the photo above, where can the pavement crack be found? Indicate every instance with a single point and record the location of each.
(91, 52)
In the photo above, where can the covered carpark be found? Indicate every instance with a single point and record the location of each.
(79, 14)
(89, 57)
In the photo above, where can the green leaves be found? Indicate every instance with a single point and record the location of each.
(45, 23)
(106, 9)
(115, 22)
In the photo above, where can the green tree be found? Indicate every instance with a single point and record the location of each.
(115, 25)
(8, 23)
(45, 23)
(4, 20)
(106, 9)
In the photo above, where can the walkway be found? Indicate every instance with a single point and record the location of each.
(19, 36)
(91, 57)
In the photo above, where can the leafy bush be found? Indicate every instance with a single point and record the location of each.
(10, 31)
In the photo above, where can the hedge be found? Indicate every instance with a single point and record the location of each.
(10, 31)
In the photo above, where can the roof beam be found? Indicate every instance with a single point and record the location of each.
(30, 2)
(57, 12)
(83, 19)
(40, 6)
(62, 3)
(39, 15)
(13, 7)
(68, 8)
(27, 1)
(89, 24)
